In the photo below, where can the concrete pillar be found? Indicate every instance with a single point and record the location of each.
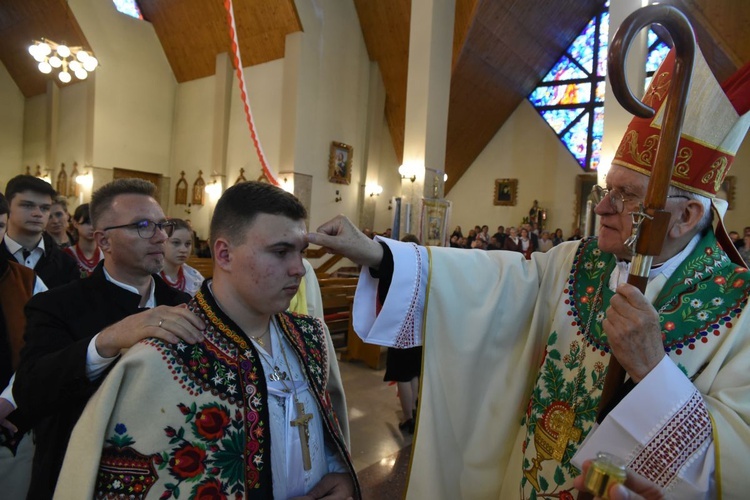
(427, 96)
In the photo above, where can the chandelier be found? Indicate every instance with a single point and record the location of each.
(51, 55)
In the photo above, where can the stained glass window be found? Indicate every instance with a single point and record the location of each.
(571, 97)
(657, 52)
(129, 7)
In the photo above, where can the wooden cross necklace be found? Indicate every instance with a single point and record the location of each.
(303, 419)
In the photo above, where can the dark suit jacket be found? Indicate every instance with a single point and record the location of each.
(51, 385)
(55, 268)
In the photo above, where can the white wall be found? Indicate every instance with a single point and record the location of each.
(332, 106)
(526, 149)
(135, 90)
(11, 128)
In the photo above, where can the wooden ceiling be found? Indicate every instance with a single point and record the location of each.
(501, 49)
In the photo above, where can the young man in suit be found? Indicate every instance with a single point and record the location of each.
(30, 200)
(75, 333)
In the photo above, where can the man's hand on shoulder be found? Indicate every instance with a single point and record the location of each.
(171, 324)
(340, 236)
(333, 486)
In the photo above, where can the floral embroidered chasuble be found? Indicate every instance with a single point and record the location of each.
(492, 428)
(182, 421)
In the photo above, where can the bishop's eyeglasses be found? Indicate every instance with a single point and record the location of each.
(146, 228)
(616, 198)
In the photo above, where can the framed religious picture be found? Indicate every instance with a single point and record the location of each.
(340, 163)
(433, 222)
(181, 190)
(506, 191)
(199, 189)
(727, 190)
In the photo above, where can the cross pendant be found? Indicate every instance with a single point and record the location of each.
(301, 423)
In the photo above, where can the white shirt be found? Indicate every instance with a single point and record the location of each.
(16, 250)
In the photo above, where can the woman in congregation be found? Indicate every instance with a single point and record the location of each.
(559, 238)
(86, 252)
(57, 225)
(527, 246)
(178, 248)
(513, 242)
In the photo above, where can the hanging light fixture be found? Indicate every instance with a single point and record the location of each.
(66, 60)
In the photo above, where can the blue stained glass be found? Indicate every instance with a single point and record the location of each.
(601, 69)
(596, 137)
(600, 89)
(582, 48)
(577, 139)
(565, 69)
(656, 56)
(129, 7)
(553, 95)
(559, 119)
(568, 106)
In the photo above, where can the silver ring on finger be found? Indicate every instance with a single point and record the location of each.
(161, 322)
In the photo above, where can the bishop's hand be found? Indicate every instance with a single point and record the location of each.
(633, 331)
(340, 236)
(635, 488)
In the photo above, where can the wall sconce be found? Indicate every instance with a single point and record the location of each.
(286, 182)
(85, 180)
(338, 197)
(407, 172)
(373, 189)
(213, 190)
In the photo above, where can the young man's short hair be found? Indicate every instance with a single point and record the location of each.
(24, 182)
(101, 200)
(241, 203)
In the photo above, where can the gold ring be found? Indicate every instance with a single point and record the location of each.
(161, 321)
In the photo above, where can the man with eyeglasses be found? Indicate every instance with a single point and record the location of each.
(75, 333)
(508, 406)
(30, 200)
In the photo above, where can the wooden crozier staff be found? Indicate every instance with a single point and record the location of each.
(650, 222)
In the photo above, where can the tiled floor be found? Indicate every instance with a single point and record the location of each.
(380, 450)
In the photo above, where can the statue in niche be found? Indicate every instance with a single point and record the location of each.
(62, 181)
(199, 189)
(181, 190)
(74, 188)
(28, 170)
(537, 216)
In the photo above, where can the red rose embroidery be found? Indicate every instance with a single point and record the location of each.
(738, 283)
(566, 495)
(211, 422)
(720, 280)
(669, 326)
(210, 490)
(187, 462)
